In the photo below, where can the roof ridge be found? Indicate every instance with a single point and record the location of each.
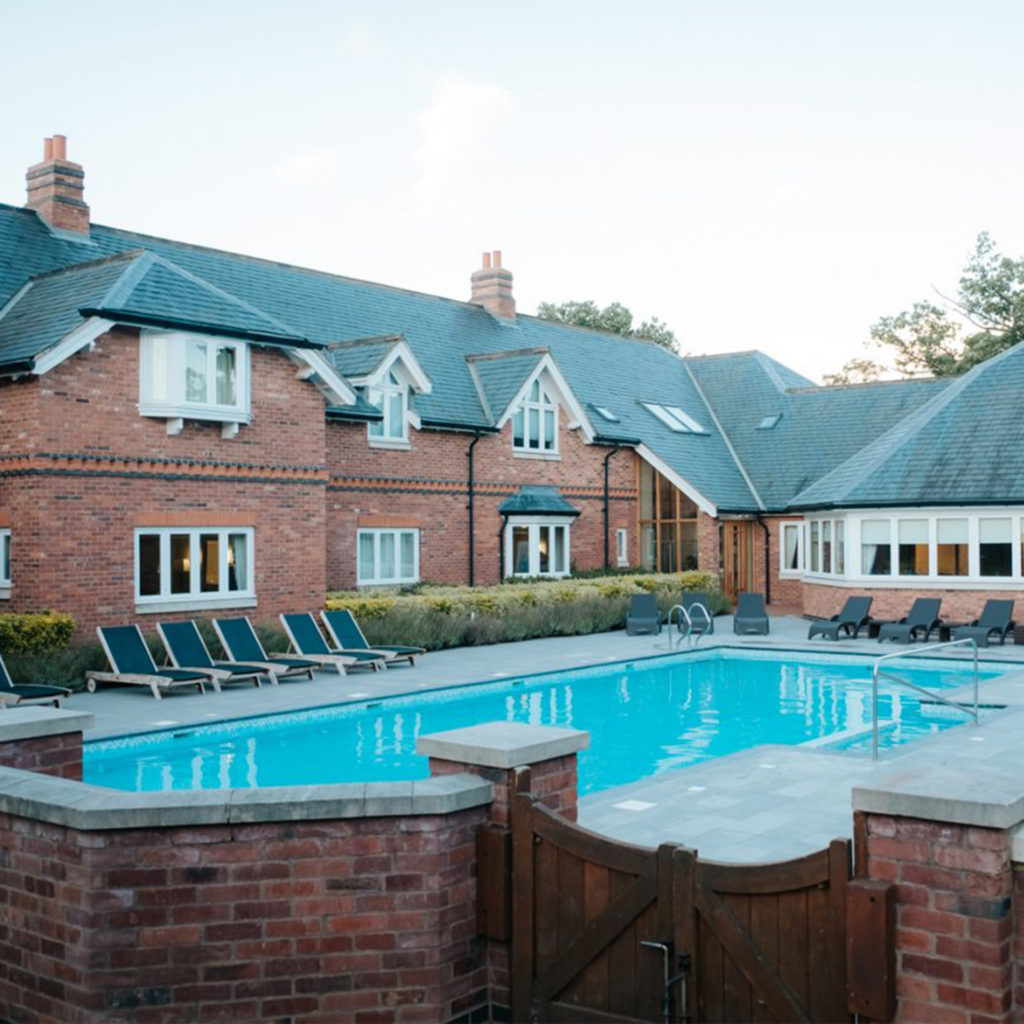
(371, 339)
(509, 353)
(861, 384)
(770, 372)
(69, 268)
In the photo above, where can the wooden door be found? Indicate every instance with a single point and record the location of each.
(737, 557)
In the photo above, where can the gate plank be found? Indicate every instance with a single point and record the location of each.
(545, 905)
(787, 875)
(567, 835)
(778, 996)
(564, 1013)
(764, 932)
(622, 953)
(568, 898)
(793, 943)
(522, 903)
(736, 998)
(685, 921)
(595, 900)
(840, 858)
(711, 996)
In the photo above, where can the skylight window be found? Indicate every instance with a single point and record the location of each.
(674, 418)
(769, 421)
(606, 413)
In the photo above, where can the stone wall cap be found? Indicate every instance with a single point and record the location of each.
(503, 744)
(32, 722)
(87, 808)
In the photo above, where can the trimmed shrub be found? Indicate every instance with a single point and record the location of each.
(35, 633)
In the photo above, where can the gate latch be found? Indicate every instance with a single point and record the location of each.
(668, 981)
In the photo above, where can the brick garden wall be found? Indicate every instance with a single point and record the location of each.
(59, 755)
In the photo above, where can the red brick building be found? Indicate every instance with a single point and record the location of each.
(184, 429)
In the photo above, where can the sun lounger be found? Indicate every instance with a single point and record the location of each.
(698, 607)
(132, 663)
(851, 620)
(28, 693)
(918, 623)
(241, 644)
(187, 651)
(643, 615)
(306, 638)
(751, 615)
(346, 634)
(995, 621)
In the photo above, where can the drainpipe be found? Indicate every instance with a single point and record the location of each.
(469, 504)
(767, 562)
(607, 459)
(501, 548)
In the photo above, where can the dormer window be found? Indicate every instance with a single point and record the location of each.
(391, 397)
(535, 422)
(194, 377)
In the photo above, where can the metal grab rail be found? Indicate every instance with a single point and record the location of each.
(689, 633)
(878, 672)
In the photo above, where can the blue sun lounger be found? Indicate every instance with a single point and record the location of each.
(132, 663)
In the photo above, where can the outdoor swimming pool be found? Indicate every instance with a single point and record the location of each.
(644, 717)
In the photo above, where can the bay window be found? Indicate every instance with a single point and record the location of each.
(193, 566)
(875, 547)
(537, 548)
(951, 539)
(387, 557)
(995, 547)
(913, 547)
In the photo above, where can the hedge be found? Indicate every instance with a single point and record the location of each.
(439, 616)
(35, 633)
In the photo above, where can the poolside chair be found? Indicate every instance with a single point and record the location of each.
(186, 650)
(751, 616)
(241, 644)
(345, 632)
(306, 638)
(698, 607)
(919, 622)
(643, 615)
(132, 663)
(851, 620)
(996, 620)
(28, 693)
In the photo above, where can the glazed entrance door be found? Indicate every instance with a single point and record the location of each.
(737, 557)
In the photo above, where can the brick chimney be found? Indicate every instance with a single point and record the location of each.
(55, 189)
(492, 287)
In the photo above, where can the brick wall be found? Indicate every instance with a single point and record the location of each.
(787, 591)
(709, 546)
(59, 755)
(890, 603)
(954, 918)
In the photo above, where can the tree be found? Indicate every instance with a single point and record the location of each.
(856, 371)
(985, 318)
(615, 318)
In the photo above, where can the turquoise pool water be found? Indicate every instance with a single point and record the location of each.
(644, 717)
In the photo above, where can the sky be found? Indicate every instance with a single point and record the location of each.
(772, 175)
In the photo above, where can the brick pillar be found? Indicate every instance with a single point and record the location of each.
(709, 557)
(494, 751)
(43, 739)
(954, 917)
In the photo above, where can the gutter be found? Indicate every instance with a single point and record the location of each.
(607, 459)
(767, 559)
(501, 547)
(469, 504)
(17, 366)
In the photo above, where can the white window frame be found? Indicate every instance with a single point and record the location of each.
(195, 598)
(5, 562)
(380, 581)
(784, 526)
(545, 402)
(391, 435)
(534, 524)
(162, 378)
(622, 546)
(674, 418)
(972, 580)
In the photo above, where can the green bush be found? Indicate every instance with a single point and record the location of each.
(35, 633)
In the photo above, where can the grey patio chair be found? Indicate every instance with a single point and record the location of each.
(995, 621)
(922, 618)
(851, 620)
(643, 615)
(751, 616)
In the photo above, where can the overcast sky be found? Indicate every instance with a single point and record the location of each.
(770, 175)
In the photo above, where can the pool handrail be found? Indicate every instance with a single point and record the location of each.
(688, 634)
(877, 672)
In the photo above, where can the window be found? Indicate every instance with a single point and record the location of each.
(605, 413)
(535, 422)
(388, 556)
(193, 565)
(537, 548)
(875, 549)
(995, 547)
(913, 547)
(193, 377)
(791, 548)
(668, 524)
(951, 537)
(622, 547)
(674, 418)
(769, 421)
(392, 398)
(5, 558)
(815, 547)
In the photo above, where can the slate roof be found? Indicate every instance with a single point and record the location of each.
(965, 446)
(818, 428)
(818, 436)
(537, 500)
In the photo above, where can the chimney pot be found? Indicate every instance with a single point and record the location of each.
(47, 150)
(486, 264)
(60, 147)
(496, 258)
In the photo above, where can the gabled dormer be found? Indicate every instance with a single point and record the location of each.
(526, 387)
(388, 376)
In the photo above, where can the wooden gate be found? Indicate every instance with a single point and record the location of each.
(603, 931)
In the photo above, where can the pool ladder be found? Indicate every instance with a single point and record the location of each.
(879, 673)
(686, 629)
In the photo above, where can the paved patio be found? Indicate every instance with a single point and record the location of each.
(768, 803)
